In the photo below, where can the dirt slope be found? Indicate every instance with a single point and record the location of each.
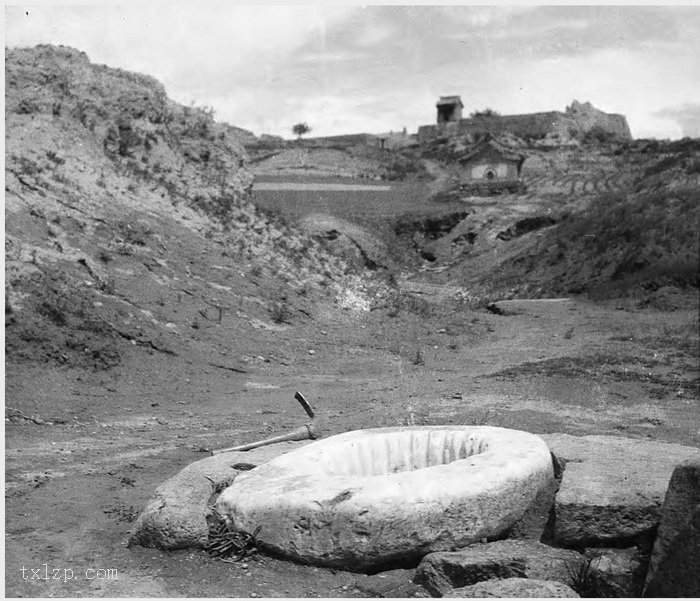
(631, 240)
(128, 220)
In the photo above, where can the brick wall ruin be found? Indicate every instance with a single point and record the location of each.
(574, 123)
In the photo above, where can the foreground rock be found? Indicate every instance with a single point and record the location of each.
(674, 569)
(176, 516)
(614, 573)
(441, 572)
(515, 588)
(371, 498)
(394, 584)
(612, 488)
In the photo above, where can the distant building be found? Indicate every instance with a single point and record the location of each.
(490, 167)
(449, 109)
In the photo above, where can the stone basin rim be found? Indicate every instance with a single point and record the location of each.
(357, 522)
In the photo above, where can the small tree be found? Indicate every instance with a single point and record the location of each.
(300, 129)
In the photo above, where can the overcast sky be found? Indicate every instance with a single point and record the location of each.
(379, 68)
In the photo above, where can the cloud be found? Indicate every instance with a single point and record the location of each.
(329, 57)
(686, 116)
(373, 34)
(175, 43)
(376, 68)
(542, 32)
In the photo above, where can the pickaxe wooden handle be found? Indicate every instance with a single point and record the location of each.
(306, 432)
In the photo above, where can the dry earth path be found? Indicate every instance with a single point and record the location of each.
(74, 488)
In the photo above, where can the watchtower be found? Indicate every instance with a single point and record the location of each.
(449, 109)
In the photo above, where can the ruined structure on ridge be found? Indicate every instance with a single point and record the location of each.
(578, 120)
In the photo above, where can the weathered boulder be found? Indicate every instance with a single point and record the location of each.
(674, 568)
(524, 588)
(612, 487)
(394, 584)
(441, 572)
(371, 498)
(176, 516)
(615, 572)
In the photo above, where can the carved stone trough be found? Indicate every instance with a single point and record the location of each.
(370, 498)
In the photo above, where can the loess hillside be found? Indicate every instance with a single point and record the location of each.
(606, 221)
(128, 222)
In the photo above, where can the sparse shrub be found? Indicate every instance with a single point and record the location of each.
(582, 579)
(220, 207)
(82, 112)
(124, 250)
(403, 166)
(487, 112)
(599, 135)
(28, 167)
(303, 289)
(53, 312)
(59, 177)
(107, 286)
(27, 107)
(394, 310)
(418, 357)
(279, 312)
(127, 137)
(135, 233)
(693, 167)
(52, 156)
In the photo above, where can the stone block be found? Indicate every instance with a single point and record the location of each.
(612, 488)
(176, 516)
(520, 588)
(616, 572)
(674, 567)
(393, 584)
(441, 572)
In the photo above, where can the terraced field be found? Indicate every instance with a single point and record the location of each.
(357, 201)
(571, 173)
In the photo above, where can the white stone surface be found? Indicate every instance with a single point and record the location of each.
(176, 516)
(368, 497)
